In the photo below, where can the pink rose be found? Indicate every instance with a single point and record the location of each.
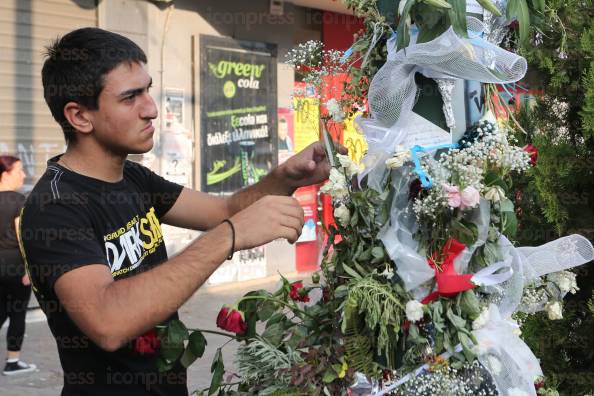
(454, 198)
(470, 197)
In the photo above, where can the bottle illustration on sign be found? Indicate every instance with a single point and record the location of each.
(248, 171)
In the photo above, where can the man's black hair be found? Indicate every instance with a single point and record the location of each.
(75, 68)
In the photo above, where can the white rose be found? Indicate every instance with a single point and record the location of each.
(482, 320)
(554, 310)
(347, 163)
(342, 215)
(495, 194)
(414, 311)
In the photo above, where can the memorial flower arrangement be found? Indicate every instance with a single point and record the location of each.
(420, 284)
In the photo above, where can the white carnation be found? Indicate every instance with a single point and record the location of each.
(342, 215)
(554, 310)
(336, 186)
(414, 311)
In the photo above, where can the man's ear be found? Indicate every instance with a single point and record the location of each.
(78, 117)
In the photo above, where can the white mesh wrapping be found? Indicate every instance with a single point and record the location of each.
(558, 255)
(393, 90)
(507, 358)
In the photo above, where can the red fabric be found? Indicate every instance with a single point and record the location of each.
(449, 282)
(147, 343)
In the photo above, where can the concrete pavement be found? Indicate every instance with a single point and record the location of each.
(199, 312)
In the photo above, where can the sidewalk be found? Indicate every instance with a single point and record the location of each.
(200, 311)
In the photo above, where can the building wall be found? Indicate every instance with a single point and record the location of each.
(26, 27)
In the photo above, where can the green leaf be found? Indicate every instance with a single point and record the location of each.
(464, 231)
(469, 304)
(365, 255)
(163, 365)
(266, 309)
(493, 179)
(217, 369)
(388, 9)
(377, 252)
(341, 291)
(197, 343)
(351, 271)
(538, 5)
(519, 10)
(274, 333)
(489, 6)
(457, 321)
(187, 358)
(510, 224)
(329, 376)
(467, 346)
(402, 34)
(506, 205)
(177, 332)
(171, 350)
(457, 16)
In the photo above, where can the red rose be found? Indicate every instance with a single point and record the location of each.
(533, 151)
(147, 343)
(297, 292)
(222, 317)
(539, 384)
(231, 320)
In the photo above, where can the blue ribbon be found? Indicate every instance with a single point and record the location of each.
(426, 181)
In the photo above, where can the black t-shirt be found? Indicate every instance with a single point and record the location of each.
(11, 263)
(69, 221)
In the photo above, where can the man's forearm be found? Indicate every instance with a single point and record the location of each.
(272, 184)
(134, 305)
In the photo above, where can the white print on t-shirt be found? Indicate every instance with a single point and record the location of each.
(130, 244)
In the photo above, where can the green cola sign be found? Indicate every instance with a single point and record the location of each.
(238, 112)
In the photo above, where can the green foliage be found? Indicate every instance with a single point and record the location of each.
(558, 198)
(380, 308)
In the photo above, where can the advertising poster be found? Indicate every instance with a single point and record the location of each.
(238, 112)
(306, 116)
(286, 136)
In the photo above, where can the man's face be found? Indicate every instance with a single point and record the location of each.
(123, 122)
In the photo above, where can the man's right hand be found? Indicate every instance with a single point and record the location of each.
(267, 219)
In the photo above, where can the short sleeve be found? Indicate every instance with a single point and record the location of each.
(58, 238)
(163, 193)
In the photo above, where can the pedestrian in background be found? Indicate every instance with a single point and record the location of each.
(15, 288)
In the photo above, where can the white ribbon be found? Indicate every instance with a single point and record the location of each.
(492, 275)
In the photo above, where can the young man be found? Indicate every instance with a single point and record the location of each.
(91, 227)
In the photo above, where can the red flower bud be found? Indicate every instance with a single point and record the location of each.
(147, 343)
(298, 293)
(222, 317)
(231, 320)
(533, 151)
